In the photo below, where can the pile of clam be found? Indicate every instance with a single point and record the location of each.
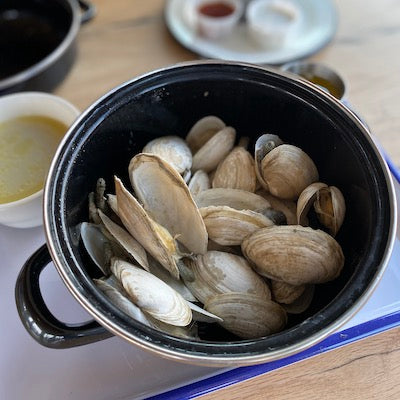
(210, 233)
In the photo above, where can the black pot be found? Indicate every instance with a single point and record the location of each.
(254, 100)
(38, 42)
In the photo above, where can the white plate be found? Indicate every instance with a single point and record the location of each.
(318, 26)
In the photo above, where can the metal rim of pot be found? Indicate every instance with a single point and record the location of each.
(106, 319)
(78, 18)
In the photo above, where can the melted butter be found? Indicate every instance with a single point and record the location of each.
(27, 145)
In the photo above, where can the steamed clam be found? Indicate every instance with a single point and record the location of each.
(329, 205)
(294, 254)
(248, 316)
(208, 234)
(219, 272)
(285, 170)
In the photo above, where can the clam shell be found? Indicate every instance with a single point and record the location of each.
(166, 197)
(129, 244)
(119, 298)
(235, 198)
(287, 207)
(287, 171)
(96, 245)
(214, 150)
(330, 207)
(152, 295)
(173, 150)
(218, 272)
(236, 171)
(301, 304)
(112, 202)
(199, 182)
(306, 200)
(152, 236)
(294, 254)
(228, 226)
(161, 273)
(203, 130)
(286, 293)
(247, 315)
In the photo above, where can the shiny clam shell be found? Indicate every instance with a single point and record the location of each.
(152, 295)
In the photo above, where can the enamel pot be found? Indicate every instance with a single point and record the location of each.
(254, 100)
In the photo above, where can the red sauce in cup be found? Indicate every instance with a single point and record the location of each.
(216, 10)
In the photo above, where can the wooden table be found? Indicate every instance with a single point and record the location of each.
(129, 37)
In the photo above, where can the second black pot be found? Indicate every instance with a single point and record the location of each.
(38, 42)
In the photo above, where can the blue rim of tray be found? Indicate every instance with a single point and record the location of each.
(334, 341)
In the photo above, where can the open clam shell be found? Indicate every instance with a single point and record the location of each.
(203, 130)
(218, 272)
(294, 254)
(152, 295)
(166, 197)
(173, 150)
(125, 239)
(247, 315)
(228, 226)
(152, 236)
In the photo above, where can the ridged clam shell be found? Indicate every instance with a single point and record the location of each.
(236, 171)
(228, 226)
(301, 304)
(294, 254)
(247, 315)
(286, 293)
(152, 295)
(166, 197)
(203, 130)
(214, 150)
(218, 272)
(287, 171)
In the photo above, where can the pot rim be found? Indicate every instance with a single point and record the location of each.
(226, 360)
(51, 58)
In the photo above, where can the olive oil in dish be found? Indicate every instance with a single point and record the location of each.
(27, 145)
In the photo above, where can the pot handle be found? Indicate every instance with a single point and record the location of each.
(88, 10)
(37, 319)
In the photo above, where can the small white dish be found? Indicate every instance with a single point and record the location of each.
(272, 23)
(27, 211)
(317, 27)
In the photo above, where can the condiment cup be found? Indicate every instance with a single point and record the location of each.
(213, 19)
(27, 211)
(271, 23)
(321, 75)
